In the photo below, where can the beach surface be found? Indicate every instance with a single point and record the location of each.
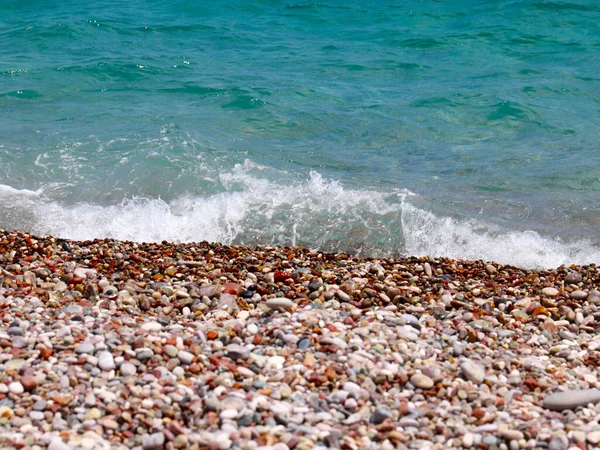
(113, 344)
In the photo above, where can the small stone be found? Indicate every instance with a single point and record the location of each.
(84, 348)
(109, 423)
(228, 414)
(152, 326)
(16, 388)
(573, 278)
(352, 388)
(106, 361)
(380, 415)
(315, 284)
(92, 414)
(40, 405)
(511, 435)
(558, 443)
(154, 441)
(427, 268)
(58, 444)
(421, 381)
(14, 331)
(593, 437)
(303, 343)
(571, 399)
(468, 440)
(171, 351)
(275, 362)
(594, 296)
(342, 295)
(473, 371)
(236, 351)
(37, 415)
(280, 303)
(127, 369)
(550, 291)
(185, 357)
(490, 269)
(29, 382)
(578, 295)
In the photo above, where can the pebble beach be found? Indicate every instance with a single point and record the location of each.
(110, 344)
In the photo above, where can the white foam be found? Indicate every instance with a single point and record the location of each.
(316, 213)
(9, 191)
(427, 234)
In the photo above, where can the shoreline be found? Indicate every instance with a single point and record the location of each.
(112, 344)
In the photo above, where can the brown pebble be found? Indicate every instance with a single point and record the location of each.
(29, 382)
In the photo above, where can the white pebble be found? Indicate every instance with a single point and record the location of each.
(16, 388)
(185, 357)
(152, 326)
(106, 361)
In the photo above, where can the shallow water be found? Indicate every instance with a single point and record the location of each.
(463, 130)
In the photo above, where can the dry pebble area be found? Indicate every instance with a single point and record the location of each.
(108, 344)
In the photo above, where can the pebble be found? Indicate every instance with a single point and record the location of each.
(593, 437)
(236, 351)
(573, 278)
(352, 388)
(280, 303)
(421, 381)
(58, 444)
(578, 295)
(303, 343)
(571, 399)
(185, 357)
(152, 326)
(29, 382)
(106, 361)
(510, 435)
(558, 443)
(550, 291)
(380, 415)
(127, 369)
(16, 388)
(468, 440)
(473, 371)
(153, 441)
(84, 348)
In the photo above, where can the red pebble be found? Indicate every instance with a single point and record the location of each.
(232, 288)
(212, 334)
(280, 276)
(46, 352)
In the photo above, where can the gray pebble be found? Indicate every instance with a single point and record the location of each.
(560, 401)
(84, 347)
(473, 371)
(380, 415)
(127, 369)
(558, 443)
(154, 441)
(303, 343)
(236, 351)
(573, 278)
(185, 357)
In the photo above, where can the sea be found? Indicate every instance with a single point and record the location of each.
(466, 129)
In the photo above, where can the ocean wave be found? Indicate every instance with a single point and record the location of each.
(316, 213)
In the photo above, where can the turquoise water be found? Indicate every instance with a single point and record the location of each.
(463, 129)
